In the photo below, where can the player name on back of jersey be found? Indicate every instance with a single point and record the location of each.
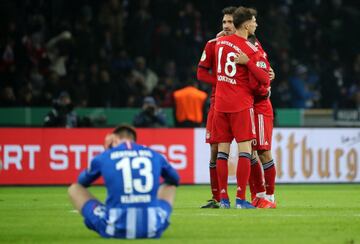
(226, 79)
(144, 198)
(230, 44)
(131, 153)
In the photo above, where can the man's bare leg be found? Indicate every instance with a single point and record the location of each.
(167, 192)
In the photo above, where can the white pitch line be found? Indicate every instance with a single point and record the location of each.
(280, 215)
(242, 214)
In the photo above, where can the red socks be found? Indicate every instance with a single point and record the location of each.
(269, 174)
(242, 174)
(214, 181)
(222, 172)
(256, 178)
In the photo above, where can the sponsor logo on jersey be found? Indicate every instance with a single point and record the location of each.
(261, 64)
(99, 211)
(254, 142)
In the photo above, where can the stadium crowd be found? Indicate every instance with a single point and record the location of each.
(113, 53)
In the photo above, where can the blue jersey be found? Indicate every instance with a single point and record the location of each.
(131, 174)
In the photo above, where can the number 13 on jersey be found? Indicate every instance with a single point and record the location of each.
(144, 166)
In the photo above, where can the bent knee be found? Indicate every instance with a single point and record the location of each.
(265, 156)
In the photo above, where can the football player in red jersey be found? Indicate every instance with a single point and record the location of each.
(233, 116)
(263, 112)
(206, 72)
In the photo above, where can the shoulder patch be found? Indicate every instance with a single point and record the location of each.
(203, 56)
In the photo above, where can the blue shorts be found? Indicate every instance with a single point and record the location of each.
(127, 223)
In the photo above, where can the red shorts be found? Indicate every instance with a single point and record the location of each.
(264, 127)
(239, 125)
(209, 126)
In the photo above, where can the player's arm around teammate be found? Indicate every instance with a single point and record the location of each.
(262, 195)
(234, 106)
(206, 72)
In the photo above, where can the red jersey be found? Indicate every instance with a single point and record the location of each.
(207, 62)
(261, 105)
(233, 93)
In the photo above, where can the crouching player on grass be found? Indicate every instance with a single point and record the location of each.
(136, 205)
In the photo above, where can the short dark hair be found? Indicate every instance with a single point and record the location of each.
(125, 130)
(243, 14)
(229, 10)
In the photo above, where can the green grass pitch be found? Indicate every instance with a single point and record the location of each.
(305, 214)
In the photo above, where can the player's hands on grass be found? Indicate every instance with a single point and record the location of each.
(241, 58)
(271, 74)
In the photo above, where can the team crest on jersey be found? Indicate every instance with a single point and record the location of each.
(261, 64)
(203, 56)
(99, 211)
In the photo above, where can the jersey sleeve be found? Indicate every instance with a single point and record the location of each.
(256, 87)
(206, 64)
(91, 174)
(260, 68)
(204, 75)
(169, 174)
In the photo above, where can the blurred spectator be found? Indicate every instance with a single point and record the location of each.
(7, 97)
(112, 17)
(57, 52)
(354, 86)
(141, 26)
(150, 115)
(189, 105)
(83, 36)
(26, 97)
(80, 90)
(52, 87)
(62, 114)
(121, 62)
(354, 96)
(280, 94)
(301, 85)
(44, 50)
(105, 92)
(147, 75)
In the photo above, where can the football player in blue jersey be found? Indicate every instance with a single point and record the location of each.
(137, 206)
